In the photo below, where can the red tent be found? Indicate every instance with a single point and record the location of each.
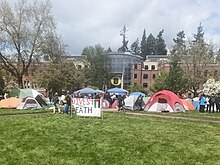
(164, 101)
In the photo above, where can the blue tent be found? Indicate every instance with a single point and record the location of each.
(116, 90)
(137, 94)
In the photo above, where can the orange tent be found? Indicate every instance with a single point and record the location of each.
(187, 105)
(11, 102)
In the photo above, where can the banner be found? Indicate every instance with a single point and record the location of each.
(87, 107)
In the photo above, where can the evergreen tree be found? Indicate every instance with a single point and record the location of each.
(144, 45)
(124, 46)
(135, 48)
(178, 51)
(176, 80)
(151, 45)
(199, 36)
(160, 44)
(109, 50)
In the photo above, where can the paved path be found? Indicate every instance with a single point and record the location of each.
(191, 118)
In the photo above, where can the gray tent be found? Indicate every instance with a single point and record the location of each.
(134, 103)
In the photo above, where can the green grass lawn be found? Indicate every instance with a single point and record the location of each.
(18, 111)
(117, 139)
(193, 114)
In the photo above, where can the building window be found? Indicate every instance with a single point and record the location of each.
(146, 67)
(205, 73)
(135, 76)
(86, 66)
(154, 76)
(145, 76)
(145, 85)
(79, 66)
(152, 67)
(135, 66)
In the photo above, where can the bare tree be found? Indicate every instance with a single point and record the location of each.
(24, 28)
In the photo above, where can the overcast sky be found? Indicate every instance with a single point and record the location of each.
(83, 23)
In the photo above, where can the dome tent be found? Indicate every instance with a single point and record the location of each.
(28, 92)
(164, 101)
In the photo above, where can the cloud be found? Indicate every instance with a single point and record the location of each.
(85, 23)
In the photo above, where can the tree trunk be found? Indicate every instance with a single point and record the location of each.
(20, 82)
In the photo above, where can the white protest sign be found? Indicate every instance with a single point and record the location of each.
(87, 107)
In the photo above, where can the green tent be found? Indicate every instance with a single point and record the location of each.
(28, 92)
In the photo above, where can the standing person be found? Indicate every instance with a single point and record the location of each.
(120, 102)
(202, 103)
(67, 106)
(217, 102)
(212, 103)
(56, 103)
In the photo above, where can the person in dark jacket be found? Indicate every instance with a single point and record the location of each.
(217, 102)
(212, 103)
(67, 106)
(120, 102)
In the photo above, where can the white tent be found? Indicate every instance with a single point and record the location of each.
(29, 103)
(133, 103)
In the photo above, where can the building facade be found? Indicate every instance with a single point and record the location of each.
(120, 65)
(146, 72)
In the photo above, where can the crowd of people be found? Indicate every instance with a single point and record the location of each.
(64, 101)
(62, 104)
(209, 104)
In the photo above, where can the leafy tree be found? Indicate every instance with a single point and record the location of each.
(124, 46)
(53, 49)
(160, 82)
(144, 45)
(135, 48)
(97, 73)
(137, 88)
(160, 44)
(24, 30)
(176, 80)
(211, 87)
(60, 76)
(217, 58)
(151, 45)
(195, 60)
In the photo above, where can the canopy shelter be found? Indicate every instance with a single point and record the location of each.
(117, 90)
(137, 94)
(86, 91)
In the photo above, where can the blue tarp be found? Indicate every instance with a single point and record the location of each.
(137, 94)
(116, 90)
(86, 91)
